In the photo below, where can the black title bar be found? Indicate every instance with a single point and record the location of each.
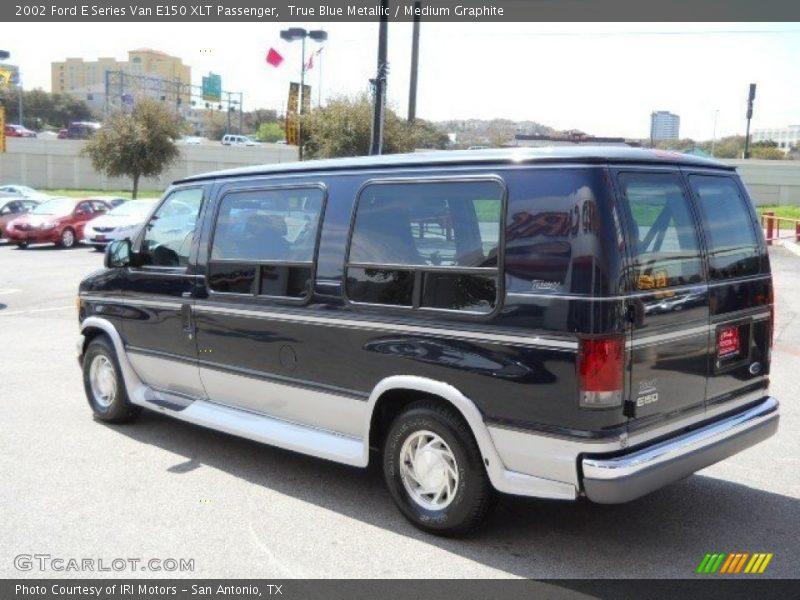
(477, 11)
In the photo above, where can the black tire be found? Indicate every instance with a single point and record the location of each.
(67, 239)
(22, 245)
(118, 407)
(99, 247)
(473, 494)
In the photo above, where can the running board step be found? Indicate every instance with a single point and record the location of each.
(275, 432)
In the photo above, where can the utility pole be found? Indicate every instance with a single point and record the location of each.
(750, 99)
(379, 83)
(412, 92)
(714, 135)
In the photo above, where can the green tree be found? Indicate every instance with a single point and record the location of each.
(343, 128)
(136, 144)
(270, 132)
(42, 109)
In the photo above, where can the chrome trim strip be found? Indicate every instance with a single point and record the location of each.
(367, 325)
(674, 448)
(669, 336)
(393, 327)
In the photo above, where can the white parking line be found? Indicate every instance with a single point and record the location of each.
(6, 291)
(34, 310)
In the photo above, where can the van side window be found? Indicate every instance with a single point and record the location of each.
(563, 234)
(427, 245)
(662, 235)
(265, 242)
(732, 245)
(169, 234)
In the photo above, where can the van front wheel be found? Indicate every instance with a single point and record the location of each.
(434, 470)
(103, 383)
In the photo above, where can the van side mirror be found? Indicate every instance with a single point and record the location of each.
(118, 254)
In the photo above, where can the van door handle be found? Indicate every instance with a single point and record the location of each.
(187, 321)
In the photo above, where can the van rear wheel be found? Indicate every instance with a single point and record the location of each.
(103, 383)
(434, 470)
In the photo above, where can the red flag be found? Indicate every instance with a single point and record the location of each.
(274, 58)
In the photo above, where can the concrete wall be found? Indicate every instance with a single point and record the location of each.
(54, 164)
(771, 181)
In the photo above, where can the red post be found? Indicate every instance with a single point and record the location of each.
(797, 231)
(770, 226)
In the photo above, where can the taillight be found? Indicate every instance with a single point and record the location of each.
(601, 363)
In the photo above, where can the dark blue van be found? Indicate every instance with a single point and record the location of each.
(556, 323)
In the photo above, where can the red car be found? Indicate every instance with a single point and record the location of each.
(19, 131)
(58, 221)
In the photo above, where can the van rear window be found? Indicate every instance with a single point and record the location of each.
(732, 244)
(662, 235)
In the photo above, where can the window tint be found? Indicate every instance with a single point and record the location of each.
(169, 233)
(427, 245)
(266, 226)
(563, 233)
(732, 245)
(662, 236)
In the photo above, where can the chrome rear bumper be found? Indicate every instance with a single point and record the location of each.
(632, 475)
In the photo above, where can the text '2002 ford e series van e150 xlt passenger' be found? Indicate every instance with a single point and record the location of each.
(549, 323)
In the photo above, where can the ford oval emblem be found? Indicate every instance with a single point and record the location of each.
(755, 368)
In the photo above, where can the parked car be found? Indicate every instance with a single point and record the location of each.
(24, 191)
(120, 222)
(19, 131)
(63, 134)
(190, 140)
(238, 140)
(82, 130)
(11, 208)
(112, 201)
(478, 317)
(57, 221)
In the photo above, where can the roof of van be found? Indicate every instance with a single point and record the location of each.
(550, 154)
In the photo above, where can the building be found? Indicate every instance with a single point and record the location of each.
(568, 138)
(786, 137)
(167, 77)
(664, 126)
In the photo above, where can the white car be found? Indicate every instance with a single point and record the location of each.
(23, 191)
(119, 223)
(238, 140)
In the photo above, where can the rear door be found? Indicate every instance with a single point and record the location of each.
(668, 303)
(740, 290)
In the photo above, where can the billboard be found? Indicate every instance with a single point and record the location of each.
(292, 126)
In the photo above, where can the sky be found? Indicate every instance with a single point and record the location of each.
(602, 78)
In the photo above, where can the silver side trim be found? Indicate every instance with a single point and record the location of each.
(366, 325)
(669, 336)
(674, 448)
(351, 450)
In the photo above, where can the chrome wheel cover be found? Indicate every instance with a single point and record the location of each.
(68, 238)
(428, 470)
(103, 381)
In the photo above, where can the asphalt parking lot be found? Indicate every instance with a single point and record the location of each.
(75, 488)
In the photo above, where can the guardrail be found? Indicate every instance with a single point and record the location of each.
(773, 224)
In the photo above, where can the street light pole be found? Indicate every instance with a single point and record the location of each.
(298, 33)
(412, 92)
(376, 143)
(750, 99)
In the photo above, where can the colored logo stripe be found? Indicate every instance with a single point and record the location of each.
(734, 563)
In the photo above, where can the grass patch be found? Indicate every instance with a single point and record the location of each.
(788, 212)
(84, 193)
